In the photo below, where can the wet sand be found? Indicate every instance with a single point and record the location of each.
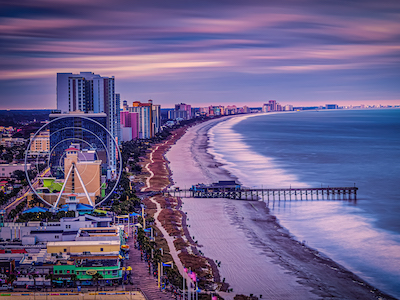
(257, 255)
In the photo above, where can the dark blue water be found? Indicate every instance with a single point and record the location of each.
(328, 148)
(337, 148)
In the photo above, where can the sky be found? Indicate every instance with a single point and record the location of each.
(219, 52)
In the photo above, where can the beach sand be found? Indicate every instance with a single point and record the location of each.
(169, 219)
(257, 255)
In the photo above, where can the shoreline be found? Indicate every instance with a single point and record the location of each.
(322, 276)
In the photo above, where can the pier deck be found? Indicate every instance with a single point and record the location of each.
(290, 194)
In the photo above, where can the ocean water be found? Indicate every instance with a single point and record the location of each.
(327, 148)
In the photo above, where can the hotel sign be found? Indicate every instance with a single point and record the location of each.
(91, 272)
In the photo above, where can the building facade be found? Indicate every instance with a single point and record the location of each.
(149, 118)
(182, 111)
(41, 143)
(80, 128)
(90, 93)
(129, 125)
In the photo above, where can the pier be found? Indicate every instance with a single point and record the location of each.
(236, 192)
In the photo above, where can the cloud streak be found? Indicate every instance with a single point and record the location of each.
(150, 41)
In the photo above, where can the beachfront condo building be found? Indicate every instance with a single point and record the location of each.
(148, 118)
(129, 125)
(182, 111)
(86, 129)
(90, 93)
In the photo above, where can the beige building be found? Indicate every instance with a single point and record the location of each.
(85, 247)
(82, 176)
(41, 143)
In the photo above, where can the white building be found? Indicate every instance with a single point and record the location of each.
(65, 230)
(89, 92)
(149, 118)
(6, 170)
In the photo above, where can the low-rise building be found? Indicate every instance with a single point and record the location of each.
(6, 170)
(64, 230)
(40, 144)
(85, 267)
(85, 247)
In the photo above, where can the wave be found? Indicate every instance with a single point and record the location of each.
(344, 232)
(251, 168)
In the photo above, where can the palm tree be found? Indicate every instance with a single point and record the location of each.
(51, 277)
(11, 278)
(74, 279)
(96, 278)
(34, 275)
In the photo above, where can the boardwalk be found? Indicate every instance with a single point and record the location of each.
(141, 278)
(291, 194)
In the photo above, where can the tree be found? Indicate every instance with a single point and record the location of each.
(74, 279)
(51, 277)
(34, 276)
(19, 175)
(95, 278)
(11, 278)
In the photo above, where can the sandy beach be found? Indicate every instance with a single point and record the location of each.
(257, 255)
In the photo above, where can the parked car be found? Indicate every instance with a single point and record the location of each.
(6, 287)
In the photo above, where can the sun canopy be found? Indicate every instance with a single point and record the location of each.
(35, 210)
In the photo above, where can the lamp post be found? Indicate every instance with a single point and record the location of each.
(183, 285)
(144, 220)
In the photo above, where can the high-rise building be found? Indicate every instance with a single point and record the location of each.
(230, 110)
(125, 105)
(331, 106)
(181, 111)
(84, 129)
(129, 125)
(204, 111)
(246, 109)
(156, 111)
(149, 117)
(288, 107)
(266, 107)
(273, 105)
(91, 93)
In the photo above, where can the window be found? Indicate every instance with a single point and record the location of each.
(57, 237)
(55, 271)
(101, 249)
(65, 250)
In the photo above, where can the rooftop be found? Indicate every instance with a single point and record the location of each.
(81, 243)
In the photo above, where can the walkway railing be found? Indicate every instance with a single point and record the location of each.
(290, 194)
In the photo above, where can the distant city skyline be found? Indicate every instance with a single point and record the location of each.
(307, 53)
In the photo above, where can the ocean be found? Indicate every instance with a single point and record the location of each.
(326, 148)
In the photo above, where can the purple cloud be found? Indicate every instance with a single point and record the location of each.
(166, 42)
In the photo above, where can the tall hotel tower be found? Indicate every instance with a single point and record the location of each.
(90, 93)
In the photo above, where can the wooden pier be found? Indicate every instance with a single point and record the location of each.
(290, 194)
